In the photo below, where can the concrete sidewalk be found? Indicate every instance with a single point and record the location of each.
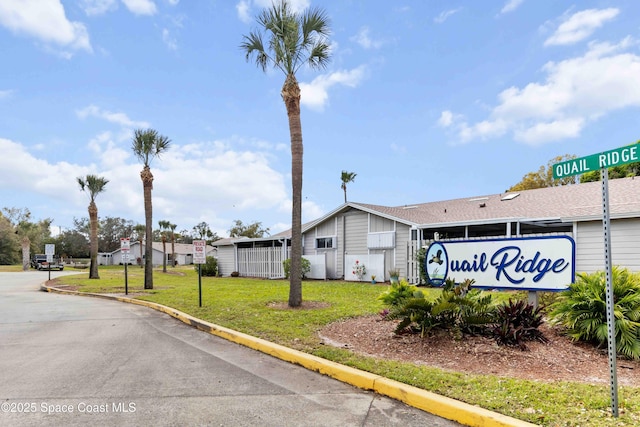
(430, 402)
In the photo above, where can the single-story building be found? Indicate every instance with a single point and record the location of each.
(184, 254)
(388, 237)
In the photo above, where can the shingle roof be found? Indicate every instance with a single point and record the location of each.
(569, 202)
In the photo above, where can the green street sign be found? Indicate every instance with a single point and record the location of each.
(607, 159)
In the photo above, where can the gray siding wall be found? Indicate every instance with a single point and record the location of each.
(328, 228)
(403, 234)
(357, 224)
(625, 245)
(226, 260)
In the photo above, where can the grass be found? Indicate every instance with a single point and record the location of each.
(258, 307)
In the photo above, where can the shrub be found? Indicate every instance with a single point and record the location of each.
(306, 267)
(582, 310)
(458, 309)
(398, 292)
(235, 274)
(517, 322)
(209, 268)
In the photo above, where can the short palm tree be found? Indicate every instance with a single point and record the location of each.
(146, 145)
(94, 185)
(164, 227)
(139, 230)
(293, 39)
(346, 177)
(172, 227)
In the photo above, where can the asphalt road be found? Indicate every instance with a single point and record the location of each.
(76, 361)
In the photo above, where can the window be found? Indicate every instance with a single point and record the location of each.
(386, 239)
(325, 242)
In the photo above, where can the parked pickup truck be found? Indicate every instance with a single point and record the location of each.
(39, 262)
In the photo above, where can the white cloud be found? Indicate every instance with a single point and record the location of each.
(173, 2)
(141, 7)
(6, 93)
(98, 7)
(580, 25)
(46, 21)
(118, 118)
(445, 15)
(364, 39)
(446, 118)
(169, 40)
(206, 181)
(243, 7)
(315, 94)
(511, 5)
(575, 92)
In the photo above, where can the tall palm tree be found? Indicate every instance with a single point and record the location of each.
(293, 39)
(346, 178)
(140, 229)
(146, 145)
(164, 227)
(94, 185)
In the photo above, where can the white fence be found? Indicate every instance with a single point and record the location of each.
(267, 263)
(261, 262)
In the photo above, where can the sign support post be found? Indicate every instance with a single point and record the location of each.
(49, 251)
(603, 161)
(611, 329)
(125, 246)
(199, 257)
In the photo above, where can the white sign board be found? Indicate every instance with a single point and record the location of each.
(199, 251)
(536, 263)
(49, 251)
(125, 245)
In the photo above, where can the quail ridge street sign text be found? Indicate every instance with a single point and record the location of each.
(607, 159)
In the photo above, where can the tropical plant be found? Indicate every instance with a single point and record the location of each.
(398, 292)
(346, 177)
(140, 230)
(209, 268)
(164, 227)
(518, 322)
(146, 145)
(306, 267)
(458, 309)
(94, 185)
(172, 227)
(582, 310)
(292, 39)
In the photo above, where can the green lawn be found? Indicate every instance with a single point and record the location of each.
(255, 307)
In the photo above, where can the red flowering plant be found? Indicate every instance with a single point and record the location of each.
(359, 270)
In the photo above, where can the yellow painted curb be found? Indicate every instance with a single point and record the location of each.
(441, 406)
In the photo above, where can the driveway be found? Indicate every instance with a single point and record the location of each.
(72, 360)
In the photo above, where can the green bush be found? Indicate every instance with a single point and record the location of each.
(398, 292)
(306, 267)
(210, 268)
(582, 310)
(459, 309)
(518, 322)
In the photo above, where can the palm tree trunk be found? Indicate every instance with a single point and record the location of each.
(164, 253)
(93, 224)
(173, 249)
(147, 184)
(26, 246)
(291, 97)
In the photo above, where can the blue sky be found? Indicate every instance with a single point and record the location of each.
(423, 100)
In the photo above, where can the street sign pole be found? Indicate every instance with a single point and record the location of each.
(125, 247)
(611, 330)
(199, 257)
(603, 161)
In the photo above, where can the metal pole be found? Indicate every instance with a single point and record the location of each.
(200, 284)
(126, 277)
(611, 333)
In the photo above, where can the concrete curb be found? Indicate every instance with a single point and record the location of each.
(441, 406)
